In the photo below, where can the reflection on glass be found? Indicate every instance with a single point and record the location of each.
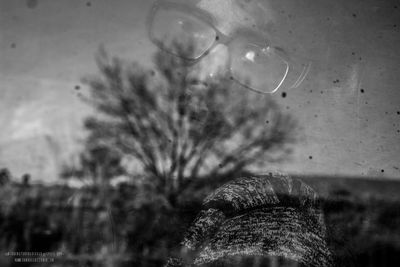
(254, 63)
(170, 25)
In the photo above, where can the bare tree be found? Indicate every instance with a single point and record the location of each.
(175, 129)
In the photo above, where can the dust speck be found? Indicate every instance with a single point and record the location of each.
(31, 4)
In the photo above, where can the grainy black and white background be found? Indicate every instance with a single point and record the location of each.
(348, 110)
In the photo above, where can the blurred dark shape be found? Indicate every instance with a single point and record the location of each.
(44, 237)
(26, 179)
(177, 129)
(5, 176)
(258, 216)
(98, 164)
(31, 3)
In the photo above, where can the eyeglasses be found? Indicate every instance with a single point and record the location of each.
(254, 63)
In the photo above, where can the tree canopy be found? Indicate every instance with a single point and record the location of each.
(175, 129)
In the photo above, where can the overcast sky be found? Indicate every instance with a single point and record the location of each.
(349, 105)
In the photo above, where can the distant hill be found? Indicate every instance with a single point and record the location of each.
(363, 187)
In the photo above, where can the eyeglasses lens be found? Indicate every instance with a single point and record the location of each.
(257, 68)
(173, 27)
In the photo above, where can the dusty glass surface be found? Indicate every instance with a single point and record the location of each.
(129, 107)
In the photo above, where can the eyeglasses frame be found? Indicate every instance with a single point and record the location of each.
(221, 38)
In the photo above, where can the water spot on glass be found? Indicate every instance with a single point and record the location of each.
(284, 94)
(31, 4)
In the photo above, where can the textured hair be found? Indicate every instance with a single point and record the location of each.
(257, 216)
